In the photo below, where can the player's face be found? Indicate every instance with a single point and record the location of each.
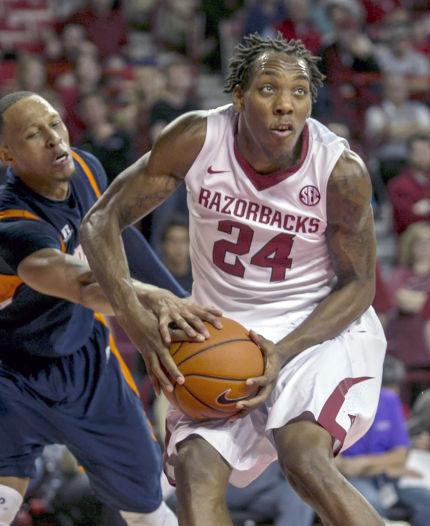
(275, 105)
(36, 143)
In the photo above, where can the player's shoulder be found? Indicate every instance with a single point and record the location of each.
(350, 167)
(90, 167)
(323, 136)
(194, 123)
(15, 202)
(349, 188)
(88, 158)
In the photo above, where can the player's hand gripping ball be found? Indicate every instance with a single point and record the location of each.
(216, 371)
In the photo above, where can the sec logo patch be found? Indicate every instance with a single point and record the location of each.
(310, 195)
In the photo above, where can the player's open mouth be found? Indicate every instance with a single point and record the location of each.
(283, 130)
(62, 158)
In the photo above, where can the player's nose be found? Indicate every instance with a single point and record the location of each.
(53, 138)
(283, 103)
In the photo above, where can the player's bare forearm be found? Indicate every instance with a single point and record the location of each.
(351, 243)
(64, 276)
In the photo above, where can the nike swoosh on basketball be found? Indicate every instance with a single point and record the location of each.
(224, 399)
(212, 171)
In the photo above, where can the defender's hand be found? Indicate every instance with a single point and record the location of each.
(273, 363)
(182, 314)
(142, 328)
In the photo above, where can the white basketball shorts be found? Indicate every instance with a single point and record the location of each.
(338, 381)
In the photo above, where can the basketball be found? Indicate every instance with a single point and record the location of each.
(216, 371)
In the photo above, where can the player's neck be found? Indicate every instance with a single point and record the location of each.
(262, 161)
(56, 191)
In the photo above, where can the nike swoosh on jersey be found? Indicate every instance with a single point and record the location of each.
(212, 171)
(223, 399)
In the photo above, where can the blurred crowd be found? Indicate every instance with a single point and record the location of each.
(119, 71)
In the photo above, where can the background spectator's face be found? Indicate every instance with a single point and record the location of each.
(179, 78)
(341, 17)
(421, 246)
(298, 10)
(72, 37)
(176, 245)
(400, 41)
(419, 155)
(33, 74)
(88, 71)
(184, 8)
(150, 81)
(396, 89)
(93, 111)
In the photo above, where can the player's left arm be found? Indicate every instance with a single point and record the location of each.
(351, 243)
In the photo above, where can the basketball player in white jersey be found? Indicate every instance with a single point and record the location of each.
(282, 241)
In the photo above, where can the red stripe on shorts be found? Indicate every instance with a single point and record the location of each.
(331, 408)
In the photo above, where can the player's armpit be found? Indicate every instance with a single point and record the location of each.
(350, 232)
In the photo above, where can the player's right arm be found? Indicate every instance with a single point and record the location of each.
(133, 195)
(64, 276)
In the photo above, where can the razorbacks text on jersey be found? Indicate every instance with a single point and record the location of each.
(259, 252)
(31, 322)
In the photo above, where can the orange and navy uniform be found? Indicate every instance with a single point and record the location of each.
(61, 378)
(32, 322)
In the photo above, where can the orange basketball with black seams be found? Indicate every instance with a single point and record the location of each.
(216, 371)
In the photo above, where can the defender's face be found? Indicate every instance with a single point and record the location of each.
(275, 105)
(35, 142)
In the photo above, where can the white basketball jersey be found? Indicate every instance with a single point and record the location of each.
(257, 242)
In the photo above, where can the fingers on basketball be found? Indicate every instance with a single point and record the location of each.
(216, 371)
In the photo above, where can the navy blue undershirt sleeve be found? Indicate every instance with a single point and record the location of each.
(146, 266)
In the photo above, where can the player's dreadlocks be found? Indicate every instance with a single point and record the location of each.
(254, 45)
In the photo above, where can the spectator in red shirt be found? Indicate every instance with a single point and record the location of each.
(105, 25)
(409, 192)
(383, 302)
(410, 286)
(298, 24)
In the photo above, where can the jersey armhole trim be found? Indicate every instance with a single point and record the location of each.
(88, 173)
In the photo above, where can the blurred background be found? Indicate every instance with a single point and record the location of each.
(119, 71)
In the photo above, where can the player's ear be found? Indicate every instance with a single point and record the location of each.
(5, 155)
(238, 101)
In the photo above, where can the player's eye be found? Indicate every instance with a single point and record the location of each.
(32, 134)
(56, 123)
(300, 91)
(267, 88)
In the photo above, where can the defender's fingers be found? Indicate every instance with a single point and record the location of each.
(180, 319)
(178, 335)
(156, 370)
(211, 316)
(155, 384)
(169, 365)
(165, 333)
(197, 324)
